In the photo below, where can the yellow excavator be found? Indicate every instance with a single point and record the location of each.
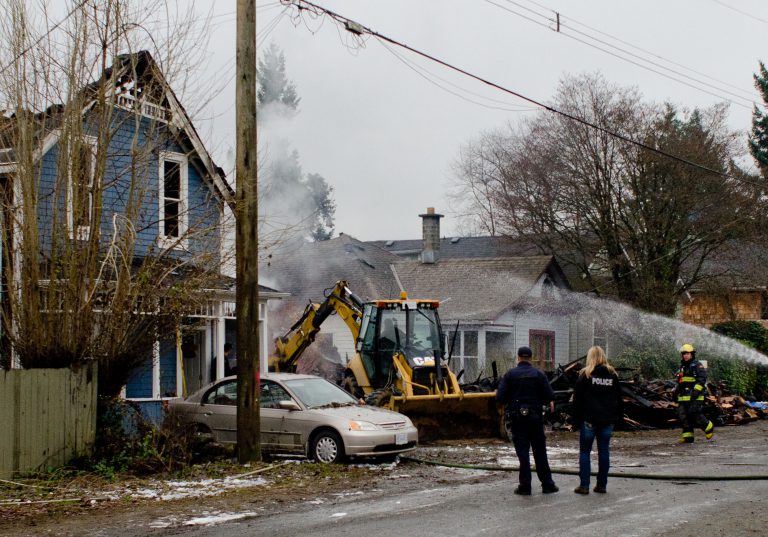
(399, 363)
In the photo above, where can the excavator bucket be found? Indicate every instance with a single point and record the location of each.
(452, 416)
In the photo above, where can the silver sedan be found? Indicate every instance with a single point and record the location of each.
(301, 414)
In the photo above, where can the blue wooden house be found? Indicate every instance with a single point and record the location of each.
(151, 178)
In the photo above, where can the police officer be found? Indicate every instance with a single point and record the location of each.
(691, 380)
(524, 390)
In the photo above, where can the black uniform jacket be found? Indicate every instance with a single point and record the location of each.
(524, 386)
(692, 374)
(597, 399)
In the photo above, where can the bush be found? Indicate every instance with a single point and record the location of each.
(742, 378)
(750, 333)
(127, 442)
(650, 363)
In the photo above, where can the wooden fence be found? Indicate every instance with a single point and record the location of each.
(47, 417)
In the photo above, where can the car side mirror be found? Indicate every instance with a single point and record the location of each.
(289, 405)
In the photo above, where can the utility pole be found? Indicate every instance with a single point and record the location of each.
(246, 238)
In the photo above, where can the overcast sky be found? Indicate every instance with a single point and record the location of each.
(384, 127)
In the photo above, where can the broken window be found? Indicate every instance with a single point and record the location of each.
(80, 186)
(499, 348)
(173, 191)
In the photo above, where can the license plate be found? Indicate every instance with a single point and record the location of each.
(401, 438)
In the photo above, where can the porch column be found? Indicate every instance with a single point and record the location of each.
(221, 334)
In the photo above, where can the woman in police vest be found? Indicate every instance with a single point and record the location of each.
(596, 409)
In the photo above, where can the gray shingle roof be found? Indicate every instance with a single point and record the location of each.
(478, 289)
(464, 247)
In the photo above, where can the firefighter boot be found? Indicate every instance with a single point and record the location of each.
(709, 431)
(686, 438)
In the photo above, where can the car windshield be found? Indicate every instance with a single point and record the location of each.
(317, 392)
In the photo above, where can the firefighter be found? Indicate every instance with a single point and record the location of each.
(691, 381)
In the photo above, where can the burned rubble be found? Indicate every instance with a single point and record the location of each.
(647, 404)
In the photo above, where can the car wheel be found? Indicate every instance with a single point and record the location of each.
(327, 447)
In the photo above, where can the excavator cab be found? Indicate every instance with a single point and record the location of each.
(410, 329)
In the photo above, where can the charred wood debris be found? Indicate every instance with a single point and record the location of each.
(647, 404)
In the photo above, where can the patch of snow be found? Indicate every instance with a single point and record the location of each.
(343, 494)
(338, 515)
(174, 490)
(165, 522)
(468, 471)
(217, 518)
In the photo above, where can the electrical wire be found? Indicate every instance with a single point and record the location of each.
(359, 29)
(737, 10)
(633, 62)
(426, 76)
(47, 33)
(645, 51)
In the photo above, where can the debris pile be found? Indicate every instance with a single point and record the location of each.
(652, 404)
(647, 404)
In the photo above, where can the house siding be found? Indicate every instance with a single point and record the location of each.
(524, 324)
(706, 310)
(204, 207)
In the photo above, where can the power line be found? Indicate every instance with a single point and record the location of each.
(358, 30)
(51, 29)
(629, 60)
(645, 51)
(429, 77)
(737, 10)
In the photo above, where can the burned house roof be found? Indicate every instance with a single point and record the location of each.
(306, 269)
(138, 81)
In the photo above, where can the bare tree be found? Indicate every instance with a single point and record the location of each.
(636, 223)
(91, 271)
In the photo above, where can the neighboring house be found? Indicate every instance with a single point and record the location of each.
(734, 288)
(500, 303)
(181, 212)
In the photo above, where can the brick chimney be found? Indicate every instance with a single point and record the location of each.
(430, 232)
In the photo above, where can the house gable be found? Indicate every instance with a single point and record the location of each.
(158, 132)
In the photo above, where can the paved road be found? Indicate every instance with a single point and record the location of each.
(633, 507)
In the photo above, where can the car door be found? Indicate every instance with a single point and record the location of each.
(277, 420)
(218, 411)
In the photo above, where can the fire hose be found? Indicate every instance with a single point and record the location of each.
(565, 471)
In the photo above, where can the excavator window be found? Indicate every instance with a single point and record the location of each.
(367, 344)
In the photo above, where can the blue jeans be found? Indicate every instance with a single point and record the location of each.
(588, 433)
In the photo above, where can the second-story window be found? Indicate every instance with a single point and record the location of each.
(173, 194)
(82, 171)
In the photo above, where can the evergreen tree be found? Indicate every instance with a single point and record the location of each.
(292, 200)
(322, 194)
(758, 142)
(273, 84)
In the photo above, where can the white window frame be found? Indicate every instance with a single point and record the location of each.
(183, 161)
(82, 232)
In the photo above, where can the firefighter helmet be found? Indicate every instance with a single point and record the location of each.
(687, 348)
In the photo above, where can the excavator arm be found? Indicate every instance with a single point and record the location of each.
(290, 346)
